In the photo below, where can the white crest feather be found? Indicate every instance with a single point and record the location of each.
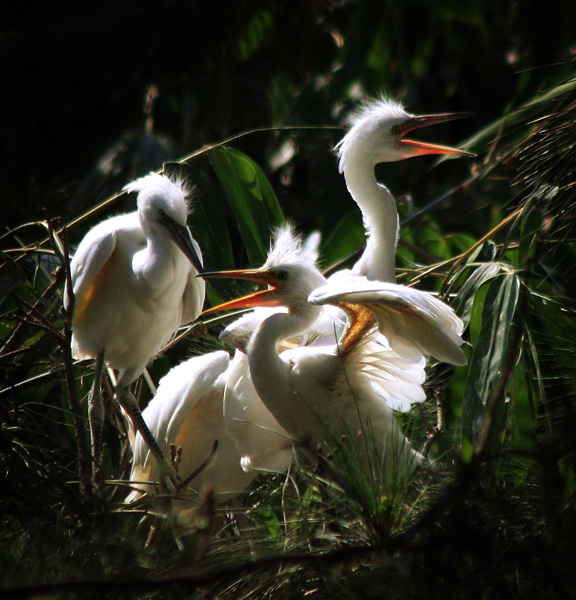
(370, 112)
(178, 188)
(287, 247)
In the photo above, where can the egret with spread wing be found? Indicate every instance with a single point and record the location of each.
(343, 385)
(134, 283)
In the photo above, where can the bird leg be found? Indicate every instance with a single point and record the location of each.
(96, 420)
(169, 477)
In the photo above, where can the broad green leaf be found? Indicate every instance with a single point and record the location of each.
(347, 236)
(250, 197)
(484, 398)
(523, 410)
(461, 242)
(465, 299)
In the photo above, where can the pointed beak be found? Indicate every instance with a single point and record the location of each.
(425, 147)
(260, 298)
(183, 239)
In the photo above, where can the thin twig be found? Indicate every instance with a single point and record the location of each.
(66, 349)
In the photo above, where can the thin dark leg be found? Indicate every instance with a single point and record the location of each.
(96, 419)
(126, 399)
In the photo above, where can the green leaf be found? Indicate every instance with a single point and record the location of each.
(484, 405)
(523, 411)
(250, 197)
(347, 236)
(465, 299)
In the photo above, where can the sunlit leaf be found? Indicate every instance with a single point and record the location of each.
(250, 197)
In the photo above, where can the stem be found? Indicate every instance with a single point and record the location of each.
(66, 348)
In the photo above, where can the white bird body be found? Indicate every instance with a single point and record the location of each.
(133, 285)
(187, 412)
(263, 444)
(345, 387)
(377, 135)
(322, 388)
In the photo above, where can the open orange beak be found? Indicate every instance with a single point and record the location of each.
(260, 298)
(425, 147)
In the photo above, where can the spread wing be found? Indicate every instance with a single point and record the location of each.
(413, 322)
(396, 379)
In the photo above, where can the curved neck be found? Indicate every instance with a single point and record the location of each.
(380, 221)
(270, 373)
(281, 326)
(155, 264)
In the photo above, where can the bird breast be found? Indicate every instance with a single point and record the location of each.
(122, 315)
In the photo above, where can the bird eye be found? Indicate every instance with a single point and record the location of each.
(396, 130)
(281, 275)
(161, 213)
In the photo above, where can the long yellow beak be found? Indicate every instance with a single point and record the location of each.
(425, 120)
(260, 298)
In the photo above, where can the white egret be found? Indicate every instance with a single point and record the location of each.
(348, 383)
(134, 282)
(263, 444)
(210, 399)
(377, 135)
(187, 413)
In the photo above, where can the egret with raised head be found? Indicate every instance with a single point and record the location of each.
(377, 135)
(210, 400)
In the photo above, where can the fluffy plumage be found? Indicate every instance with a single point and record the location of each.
(132, 282)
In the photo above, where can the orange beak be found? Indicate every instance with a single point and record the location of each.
(425, 147)
(260, 298)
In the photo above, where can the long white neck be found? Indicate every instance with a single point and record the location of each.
(380, 221)
(154, 266)
(270, 374)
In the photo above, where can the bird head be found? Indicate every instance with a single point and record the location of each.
(162, 207)
(289, 271)
(289, 285)
(378, 131)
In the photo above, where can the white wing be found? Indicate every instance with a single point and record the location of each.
(194, 293)
(414, 322)
(259, 439)
(338, 395)
(92, 254)
(396, 379)
(179, 391)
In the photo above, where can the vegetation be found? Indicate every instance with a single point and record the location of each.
(248, 101)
